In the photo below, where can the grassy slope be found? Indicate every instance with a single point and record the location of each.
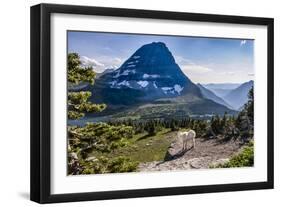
(143, 148)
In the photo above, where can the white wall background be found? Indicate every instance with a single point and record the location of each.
(14, 102)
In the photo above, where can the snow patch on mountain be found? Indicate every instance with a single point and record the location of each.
(124, 83)
(131, 66)
(167, 90)
(178, 88)
(143, 83)
(145, 76)
(117, 74)
(172, 90)
(127, 72)
(154, 84)
(113, 82)
(124, 73)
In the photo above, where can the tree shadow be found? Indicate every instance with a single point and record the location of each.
(225, 140)
(144, 137)
(167, 132)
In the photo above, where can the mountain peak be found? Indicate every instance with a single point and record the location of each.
(152, 70)
(250, 82)
(160, 45)
(156, 44)
(152, 54)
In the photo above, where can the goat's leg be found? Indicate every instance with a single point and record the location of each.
(193, 143)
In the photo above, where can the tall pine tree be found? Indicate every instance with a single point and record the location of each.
(78, 102)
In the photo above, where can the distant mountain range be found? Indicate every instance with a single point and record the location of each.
(109, 70)
(221, 89)
(239, 96)
(227, 86)
(150, 84)
(212, 96)
(234, 94)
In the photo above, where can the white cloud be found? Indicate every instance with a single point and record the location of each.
(183, 61)
(229, 72)
(118, 60)
(188, 66)
(198, 69)
(111, 62)
(112, 67)
(107, 48)
(212, 72)
(194, 71)
(86, 61)
(243, 42)
(102, 63)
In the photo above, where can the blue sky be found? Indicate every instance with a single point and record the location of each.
(203, 60)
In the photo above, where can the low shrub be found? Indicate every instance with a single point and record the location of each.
(102, 165)
(244, 159)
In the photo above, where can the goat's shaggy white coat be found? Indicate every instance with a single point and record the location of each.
(185, 136)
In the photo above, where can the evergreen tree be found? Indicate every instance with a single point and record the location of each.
(78, 102)
(151, 128)
(216, 124)
(99, 136)
(249, 107)
(245, 119)
(174, 125)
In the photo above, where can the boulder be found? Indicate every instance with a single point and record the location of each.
(93, 158)
(200, 162)
(73, 155)
(175, 150)
(196, 163)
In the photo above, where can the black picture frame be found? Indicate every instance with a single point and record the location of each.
(41, 95)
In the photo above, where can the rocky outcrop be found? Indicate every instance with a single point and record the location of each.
(176, 150)
(177, 164)
(208, 153)
(219, 162)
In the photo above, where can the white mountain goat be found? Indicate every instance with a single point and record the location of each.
(185, 136)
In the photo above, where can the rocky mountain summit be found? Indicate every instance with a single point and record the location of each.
(153, 70)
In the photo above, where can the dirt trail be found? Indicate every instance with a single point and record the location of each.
(206, 153)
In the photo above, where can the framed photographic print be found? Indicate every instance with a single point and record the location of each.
(133, 103)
